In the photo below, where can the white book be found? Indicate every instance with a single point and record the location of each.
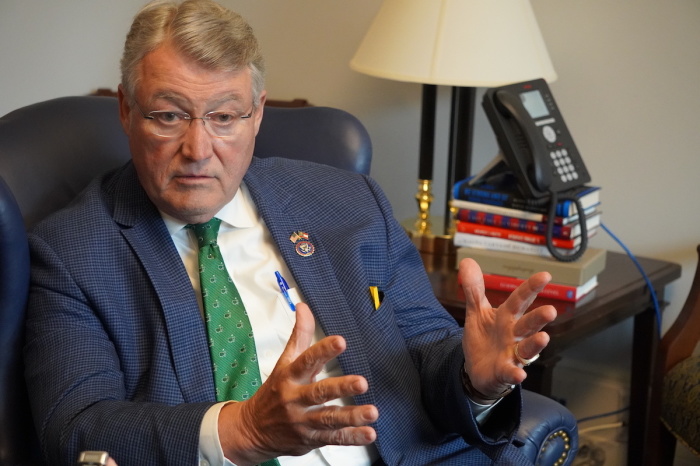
(500, 244)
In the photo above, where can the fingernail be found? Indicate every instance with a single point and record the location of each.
(370, 415)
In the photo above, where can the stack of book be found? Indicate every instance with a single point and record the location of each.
(571, 281)
(505, 233)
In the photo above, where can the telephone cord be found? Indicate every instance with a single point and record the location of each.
(553, 201)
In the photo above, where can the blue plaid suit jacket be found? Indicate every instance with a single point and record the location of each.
(116, 349)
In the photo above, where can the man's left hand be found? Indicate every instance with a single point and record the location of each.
(491, 334)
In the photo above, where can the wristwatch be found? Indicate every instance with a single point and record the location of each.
(478, 397)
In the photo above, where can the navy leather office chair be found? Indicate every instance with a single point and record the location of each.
(317, 134)
(18, 444)
(48, 153)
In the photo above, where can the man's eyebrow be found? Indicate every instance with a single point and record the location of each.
(232, 97)
(181, 100)
(169, 96)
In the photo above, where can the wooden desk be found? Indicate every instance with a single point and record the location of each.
(621, 294)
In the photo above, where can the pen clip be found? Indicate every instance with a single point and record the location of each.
(374, 293)
(284, 288)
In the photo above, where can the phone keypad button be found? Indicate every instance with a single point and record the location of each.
(549, 134)
(564, 166)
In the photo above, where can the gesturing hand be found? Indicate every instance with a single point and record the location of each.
(286, 415)
(490, 335)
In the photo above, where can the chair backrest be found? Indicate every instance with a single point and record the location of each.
(49, 151)
(317, 134)
(680, 340)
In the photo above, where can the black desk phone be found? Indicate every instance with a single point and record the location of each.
(534, 139)
(537, 149)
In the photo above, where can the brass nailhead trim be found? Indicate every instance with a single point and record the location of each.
(567, 445)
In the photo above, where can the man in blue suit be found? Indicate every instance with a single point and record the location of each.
(117, 354)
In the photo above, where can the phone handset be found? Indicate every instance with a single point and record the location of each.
(538, 149)
(539, 169)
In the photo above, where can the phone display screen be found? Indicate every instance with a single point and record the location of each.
(534, 104)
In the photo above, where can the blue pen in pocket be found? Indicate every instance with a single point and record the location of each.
(284, 288)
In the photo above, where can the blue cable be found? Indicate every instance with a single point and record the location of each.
(657, 309)
(598, 416)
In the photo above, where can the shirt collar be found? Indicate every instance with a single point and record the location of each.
(239, 213)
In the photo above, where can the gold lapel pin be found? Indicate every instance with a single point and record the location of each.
(302, 245)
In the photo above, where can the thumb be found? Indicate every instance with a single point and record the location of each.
(472, 281)
(302, 334)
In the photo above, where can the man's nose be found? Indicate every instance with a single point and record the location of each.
(197, 140)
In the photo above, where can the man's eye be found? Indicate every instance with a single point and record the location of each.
(222, 117)
(167, 117)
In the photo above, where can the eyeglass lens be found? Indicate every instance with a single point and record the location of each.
(218, 124)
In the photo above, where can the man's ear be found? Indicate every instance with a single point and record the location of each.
(124, 109)
(258, 115)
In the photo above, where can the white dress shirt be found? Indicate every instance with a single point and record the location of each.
(251, 258)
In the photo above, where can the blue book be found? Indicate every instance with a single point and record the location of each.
(506, 194)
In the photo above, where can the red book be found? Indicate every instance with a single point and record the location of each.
(516, 235)
(569, 231)
(551, 290)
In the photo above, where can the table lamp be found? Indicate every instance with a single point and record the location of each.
(460, 43)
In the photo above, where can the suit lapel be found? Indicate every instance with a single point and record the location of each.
(285, 212)
(144, 230)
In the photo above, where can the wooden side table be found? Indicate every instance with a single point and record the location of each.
(621, 294)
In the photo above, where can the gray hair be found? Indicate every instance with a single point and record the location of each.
(202, 30)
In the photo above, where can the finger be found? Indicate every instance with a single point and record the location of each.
(522, 297)
(302, 335)
(309, 363)
(340, 417)
(333, 388)
(472, 281)
(527, 348)
(531, 346)
(346, 436)
(534, 321)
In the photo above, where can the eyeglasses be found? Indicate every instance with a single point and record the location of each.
(173, 124)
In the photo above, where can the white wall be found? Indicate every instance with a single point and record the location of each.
(628, 73)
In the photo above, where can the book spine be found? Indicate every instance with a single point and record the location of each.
(517, 213)
(500, 244)
(464, 191)
(523, 265)
(494, 209)
(513, 223)
(513, 235)
(551, 290)
(501, 199)
(564, 208)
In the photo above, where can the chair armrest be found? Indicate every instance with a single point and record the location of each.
(548, 431)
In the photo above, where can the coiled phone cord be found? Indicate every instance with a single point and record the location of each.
(553, 201)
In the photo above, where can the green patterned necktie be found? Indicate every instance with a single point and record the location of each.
(231, 343)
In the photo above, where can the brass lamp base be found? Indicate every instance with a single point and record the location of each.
(428, 236)
(433, 241)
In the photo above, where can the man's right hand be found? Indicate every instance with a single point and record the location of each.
(286, 416)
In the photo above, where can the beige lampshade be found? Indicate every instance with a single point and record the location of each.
(469, 43)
